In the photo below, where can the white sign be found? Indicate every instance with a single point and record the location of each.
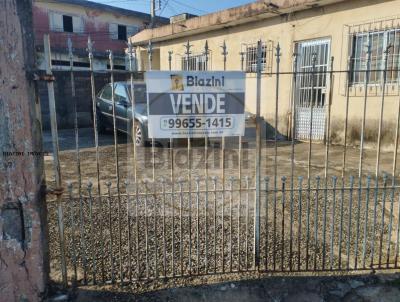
(195, 104)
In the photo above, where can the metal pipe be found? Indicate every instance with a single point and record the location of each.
(111, 60)
(224, 54)
(150, 55)
(366, 221)
(383, 220)
(180, 182)
(96, 142)
(384, 74)
(231, 180)
(341, 225)
(334, 180)
(163, 229)
(111, 253)
(214, 179)
(367, 72)
(197, 180)
(257, 162)
(266, 181)
(349, 222)
(56, 160)
(293, 116)
(283, 223)
(346, 116)
(316, 208)
(246, 242)
(299, 239)
(92, 231)
(146, 228)
(73, 226)
(128, 218)
(132, 52)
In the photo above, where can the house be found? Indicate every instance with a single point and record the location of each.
(107, 26)
(335, 30)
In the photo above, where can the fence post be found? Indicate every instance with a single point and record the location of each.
(56, 160)
(131, 52)
(150, 54)
(366, 82)
(242, 53)
(384, 74)
(116, 152)
(170, 52)
(224, 54)
(187, 54)
(258, 159)
(76, 131)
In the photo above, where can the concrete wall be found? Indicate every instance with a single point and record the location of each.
(23, 232)
(333, 22)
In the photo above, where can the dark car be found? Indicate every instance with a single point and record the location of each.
(123, 110)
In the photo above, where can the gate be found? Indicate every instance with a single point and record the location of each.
(311, 89)
(207, 210)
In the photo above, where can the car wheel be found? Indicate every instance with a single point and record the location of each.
(138, 135)
(101, 127)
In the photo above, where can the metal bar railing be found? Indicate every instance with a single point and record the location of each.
(249, 222)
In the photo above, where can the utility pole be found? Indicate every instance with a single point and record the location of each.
(152, 12)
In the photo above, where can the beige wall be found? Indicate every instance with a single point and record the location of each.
(333, 22)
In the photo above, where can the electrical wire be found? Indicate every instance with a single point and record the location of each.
(191, 7)
(165, 5)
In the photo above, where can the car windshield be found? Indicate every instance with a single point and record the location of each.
(140, 93)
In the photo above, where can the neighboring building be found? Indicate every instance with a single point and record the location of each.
(108, 26)
(330, 28)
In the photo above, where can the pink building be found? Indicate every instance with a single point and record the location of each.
(107, 26)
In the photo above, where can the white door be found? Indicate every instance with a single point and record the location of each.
(310, 89)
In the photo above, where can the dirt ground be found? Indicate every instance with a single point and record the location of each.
(203, 229)
(365, 288)
(197, 163)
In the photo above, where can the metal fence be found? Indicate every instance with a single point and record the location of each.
(142, 220)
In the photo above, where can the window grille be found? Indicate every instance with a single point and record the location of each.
(250, 52)
(378, 42)
(195, 62)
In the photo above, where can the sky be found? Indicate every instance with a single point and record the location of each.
(173, 7)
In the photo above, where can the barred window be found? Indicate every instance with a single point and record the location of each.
(378, 41)
(195, 62)
(250, 52)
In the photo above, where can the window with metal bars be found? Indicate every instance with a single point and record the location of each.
(195, 62)
(250, 52)
(378, 42)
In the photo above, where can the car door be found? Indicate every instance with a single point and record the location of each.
(104, 104)
(122, 105)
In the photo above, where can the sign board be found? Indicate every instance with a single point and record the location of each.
(185, 104)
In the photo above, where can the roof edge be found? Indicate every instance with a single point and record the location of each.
(261, 9)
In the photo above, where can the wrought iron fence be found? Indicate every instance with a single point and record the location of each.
(174, 219)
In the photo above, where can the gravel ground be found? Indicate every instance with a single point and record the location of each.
(131, 235)
(307, 230)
